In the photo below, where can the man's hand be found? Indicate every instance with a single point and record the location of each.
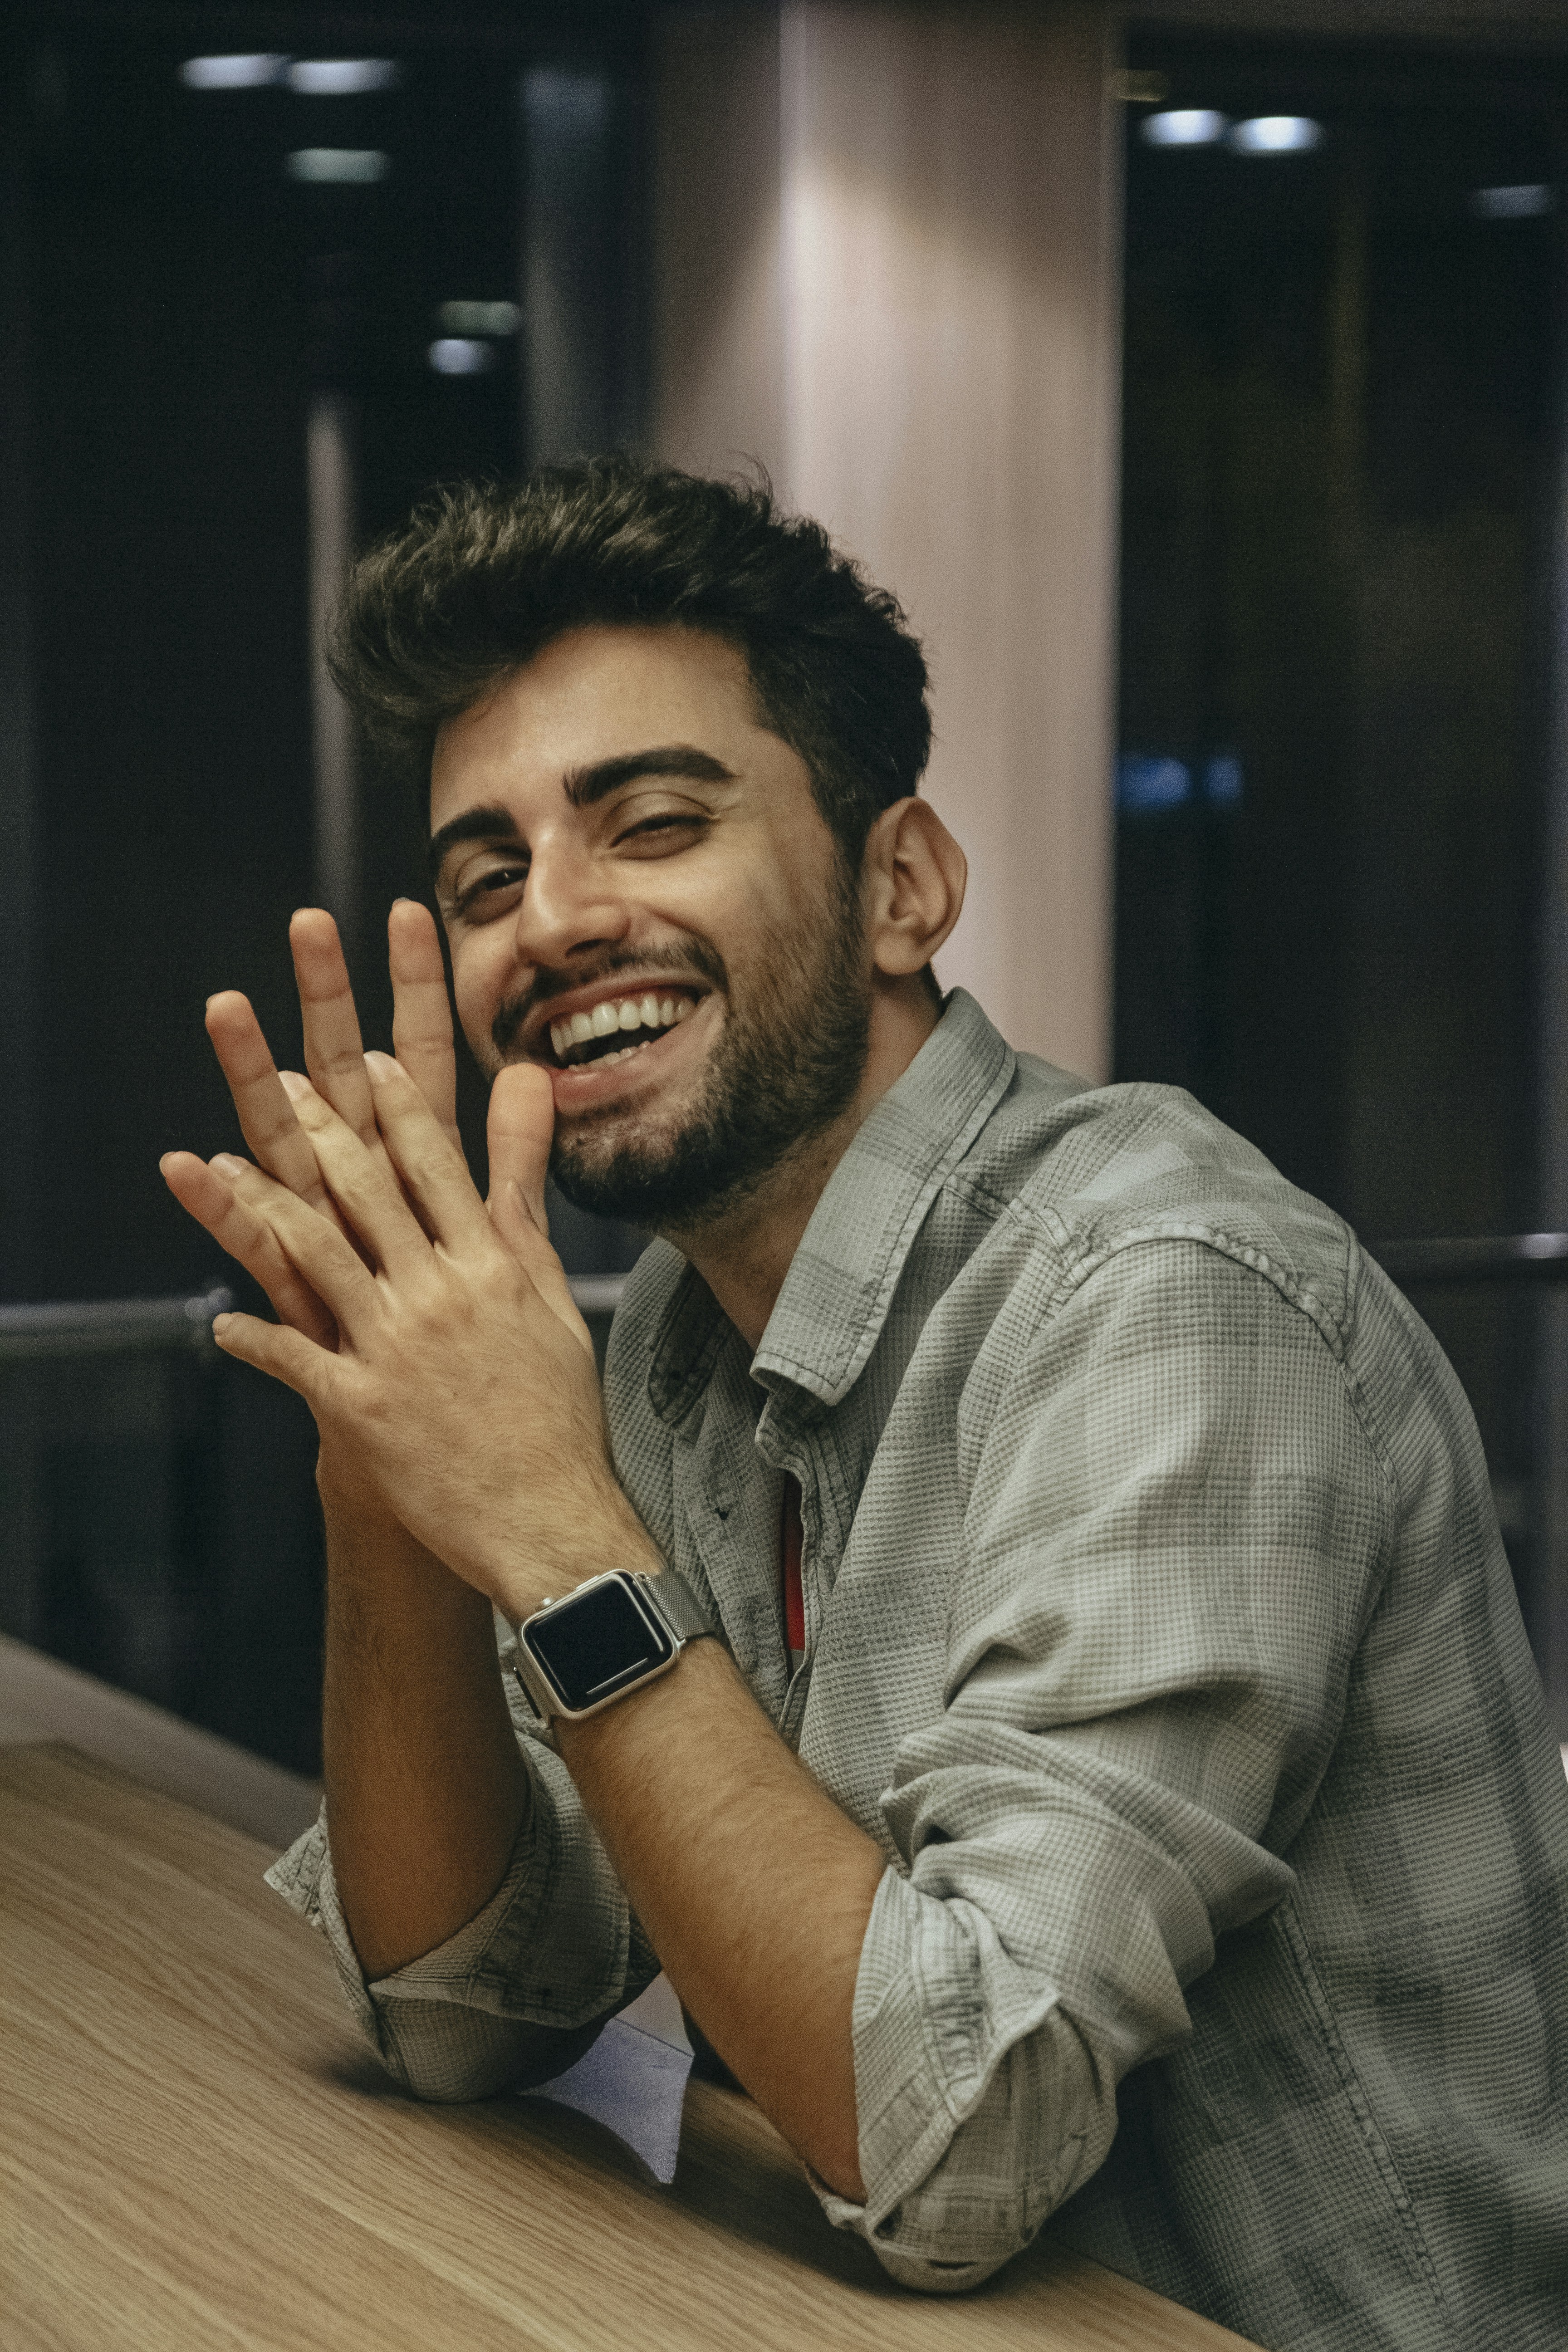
(334, 1057)
(463, 1378)
(424, 1783)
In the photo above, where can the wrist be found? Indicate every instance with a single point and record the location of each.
(369, 1548)
(608, 1538)
(593, 1647)
(343, 1484)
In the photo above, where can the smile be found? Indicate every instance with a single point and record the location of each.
(618, 1028)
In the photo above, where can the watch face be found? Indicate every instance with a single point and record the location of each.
(595, 1643)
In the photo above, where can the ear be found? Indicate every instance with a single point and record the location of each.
(912, 879)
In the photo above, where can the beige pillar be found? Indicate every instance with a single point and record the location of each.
(887, 265)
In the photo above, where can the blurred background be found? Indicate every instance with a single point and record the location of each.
(1196, 373)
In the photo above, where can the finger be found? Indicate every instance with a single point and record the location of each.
(421, 1010)
(366, 1185)
(514, 1221)
(325, 1257)
(429, 1165)
(287, 1355)
(334, 1051)
(267, 1119)
(204, 1194)
(519, 1130)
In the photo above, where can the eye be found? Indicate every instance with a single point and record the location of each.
(481, 896)
(668, 830)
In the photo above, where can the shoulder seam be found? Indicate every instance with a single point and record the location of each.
(1088, 1261)
(1334, 1333)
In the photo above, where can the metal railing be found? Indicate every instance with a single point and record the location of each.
(111, 1326)
(116, 1327)
(1483, 1257)
(134, 1326)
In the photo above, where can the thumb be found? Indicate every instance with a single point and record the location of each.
(521, 1128)
(519, 1133)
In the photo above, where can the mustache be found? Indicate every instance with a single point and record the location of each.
(681, 957)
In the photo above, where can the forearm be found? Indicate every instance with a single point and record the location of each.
(753, 1887)
(425, 1790)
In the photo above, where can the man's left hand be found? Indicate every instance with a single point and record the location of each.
(464, 1378)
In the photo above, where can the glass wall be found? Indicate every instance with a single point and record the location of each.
(1342, 417)
(254, 304)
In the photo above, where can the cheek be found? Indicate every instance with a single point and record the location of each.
(479, 970)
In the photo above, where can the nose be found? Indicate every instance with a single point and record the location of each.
(570, 906)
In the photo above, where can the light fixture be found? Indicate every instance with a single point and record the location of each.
(247, 72)
(1276, 134)
(460, 355)
(1150, 782)
(340, 166)
(478, 318)
(341, 77)
(1184, 126)
(1514, 203)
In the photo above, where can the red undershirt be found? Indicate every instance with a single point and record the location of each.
(789, 1573)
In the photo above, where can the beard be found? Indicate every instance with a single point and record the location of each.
(780, 1072)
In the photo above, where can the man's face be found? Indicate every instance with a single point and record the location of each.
(641, 896)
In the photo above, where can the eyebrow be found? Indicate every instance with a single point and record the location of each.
(584, 787)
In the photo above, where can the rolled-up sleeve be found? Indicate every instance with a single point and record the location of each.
(521, 1990)
(1175, 1525)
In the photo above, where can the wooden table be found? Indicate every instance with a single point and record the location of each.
(195, 2151)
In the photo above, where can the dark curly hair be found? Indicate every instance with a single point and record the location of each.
(483, 578)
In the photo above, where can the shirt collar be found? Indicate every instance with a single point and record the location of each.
(841, 1280)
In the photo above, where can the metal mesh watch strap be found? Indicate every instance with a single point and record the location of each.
(679, 1604)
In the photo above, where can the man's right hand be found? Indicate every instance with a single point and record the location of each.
(335, 1061)
(426, 1787)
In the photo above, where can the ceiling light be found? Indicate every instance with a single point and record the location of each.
(478, 318)
(1513, 204)
(231, 73)
(1145, 782)
(341, 77)
(344, 166)
(1277, 134)
(460, 355)
(1184, 126)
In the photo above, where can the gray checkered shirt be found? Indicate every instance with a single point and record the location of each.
(1159, 1631)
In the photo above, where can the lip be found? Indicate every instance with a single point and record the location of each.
(586, 1085)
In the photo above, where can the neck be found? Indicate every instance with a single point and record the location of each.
(744, 1255)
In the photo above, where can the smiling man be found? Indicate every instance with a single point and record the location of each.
(1021, 1638)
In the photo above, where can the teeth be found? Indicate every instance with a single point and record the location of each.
(616, 1013)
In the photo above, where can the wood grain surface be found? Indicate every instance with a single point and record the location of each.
(196, 2152)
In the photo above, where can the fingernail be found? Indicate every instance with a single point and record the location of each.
(220, 1325)
(228, 1163)
(380, 1067)
(294, 1085)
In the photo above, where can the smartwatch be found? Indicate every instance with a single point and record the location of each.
(613, 1633)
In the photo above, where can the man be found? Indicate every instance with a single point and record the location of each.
(1148, 1818)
